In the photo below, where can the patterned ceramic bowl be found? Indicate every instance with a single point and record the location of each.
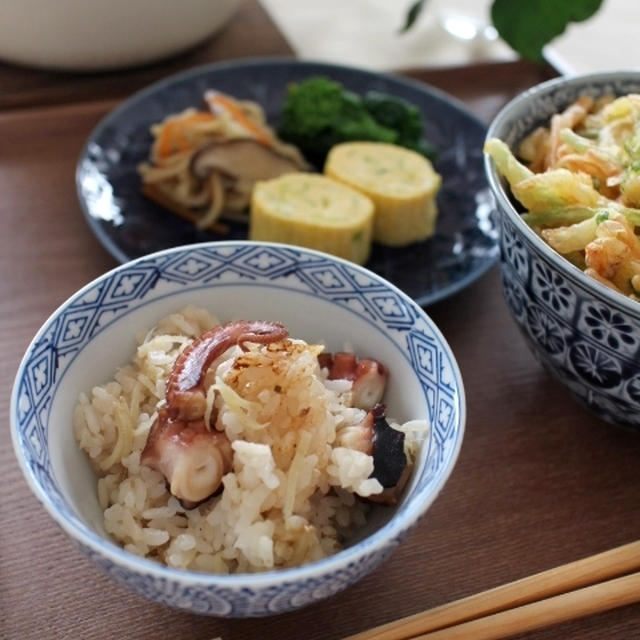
(319, 298)
(585, 334)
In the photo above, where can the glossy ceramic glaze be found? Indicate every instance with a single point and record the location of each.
(129, 226)
(585, 334)
(318, 298)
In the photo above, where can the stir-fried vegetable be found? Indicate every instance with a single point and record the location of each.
(203, 164)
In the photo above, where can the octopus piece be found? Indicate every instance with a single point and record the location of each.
(192, 457)
(185, 393)
(375, 437)
(369, 377)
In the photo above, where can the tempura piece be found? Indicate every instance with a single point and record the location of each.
(580, 185)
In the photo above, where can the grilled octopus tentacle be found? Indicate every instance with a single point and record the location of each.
(185, 391)
(373, 436)
(377, 438)
(192, 458)
(369, 377)
(180, 445)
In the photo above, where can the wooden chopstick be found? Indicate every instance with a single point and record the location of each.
(517, 598)
(543, 613)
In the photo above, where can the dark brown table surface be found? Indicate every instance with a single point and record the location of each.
(539, 481)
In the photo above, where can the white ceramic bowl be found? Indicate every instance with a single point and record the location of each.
(318, 297)
(87, 35)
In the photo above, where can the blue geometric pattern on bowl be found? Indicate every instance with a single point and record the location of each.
(592, 347)
(585, 334)
(158, 275)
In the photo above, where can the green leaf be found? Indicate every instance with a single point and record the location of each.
(412, 15)
(528, 25)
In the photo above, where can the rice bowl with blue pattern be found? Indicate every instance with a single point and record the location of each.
(319, 299)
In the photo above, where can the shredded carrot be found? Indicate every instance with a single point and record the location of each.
(228, 104)
(165, 141)
(173, 138)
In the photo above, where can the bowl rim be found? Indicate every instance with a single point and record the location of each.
(505, 206)
(82, 534)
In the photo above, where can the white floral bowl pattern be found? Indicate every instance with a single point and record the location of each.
(585, 334)
(319, 298)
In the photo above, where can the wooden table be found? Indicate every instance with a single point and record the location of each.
(539, 482)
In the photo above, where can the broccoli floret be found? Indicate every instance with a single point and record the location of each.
(318, 114)
(401, 116)
(396, 114)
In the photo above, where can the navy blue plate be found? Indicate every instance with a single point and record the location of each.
(129, 226)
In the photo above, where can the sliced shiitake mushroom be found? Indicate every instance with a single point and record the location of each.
(242, 159)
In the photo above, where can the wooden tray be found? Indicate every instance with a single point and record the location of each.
(539, 482)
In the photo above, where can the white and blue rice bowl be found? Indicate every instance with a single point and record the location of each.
(319, 298)
(585, 334)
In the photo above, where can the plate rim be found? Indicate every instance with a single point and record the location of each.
(280, 61)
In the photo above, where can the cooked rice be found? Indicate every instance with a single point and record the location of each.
(291, 496)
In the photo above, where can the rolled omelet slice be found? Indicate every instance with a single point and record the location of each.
(401, 183)
(313, 211)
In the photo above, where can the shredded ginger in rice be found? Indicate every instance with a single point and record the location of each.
(292, 494)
